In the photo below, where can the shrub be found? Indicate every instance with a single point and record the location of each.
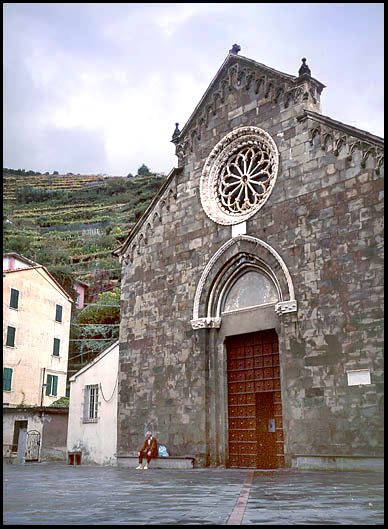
(63, 402)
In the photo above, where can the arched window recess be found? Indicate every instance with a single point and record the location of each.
(254, 277)
(248, 287)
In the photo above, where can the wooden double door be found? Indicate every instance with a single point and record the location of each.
(254, 401)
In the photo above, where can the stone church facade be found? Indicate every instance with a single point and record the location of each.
(251, 314)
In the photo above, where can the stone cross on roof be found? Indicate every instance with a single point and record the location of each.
(235, 49)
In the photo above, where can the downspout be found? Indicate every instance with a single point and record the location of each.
(41, 405)
(43, 386)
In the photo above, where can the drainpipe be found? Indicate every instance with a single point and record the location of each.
(43, 386)
(40, 443)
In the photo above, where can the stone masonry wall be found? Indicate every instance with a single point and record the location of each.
(324, 218)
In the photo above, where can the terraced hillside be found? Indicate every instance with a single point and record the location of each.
(71, 224)
(72, 221)
(69, 182)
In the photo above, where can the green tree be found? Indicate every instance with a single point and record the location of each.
(20, 244)
(53, 252)
(105, 310)
(143, 171)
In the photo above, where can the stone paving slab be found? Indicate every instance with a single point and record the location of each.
(59, 494)
(316, 498)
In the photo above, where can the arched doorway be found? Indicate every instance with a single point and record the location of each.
(240, 299)
(255, 425)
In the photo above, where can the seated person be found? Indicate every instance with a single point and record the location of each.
(148, 450)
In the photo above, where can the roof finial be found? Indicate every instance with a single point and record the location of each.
(235, 49)
(176, 134)
(304, 69)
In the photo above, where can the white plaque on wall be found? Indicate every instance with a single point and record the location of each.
(358, 377)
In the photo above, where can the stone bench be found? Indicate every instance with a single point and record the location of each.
(173, 462)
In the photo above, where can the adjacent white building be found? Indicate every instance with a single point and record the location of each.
(92, 425)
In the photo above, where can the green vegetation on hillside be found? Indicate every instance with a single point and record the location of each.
(72, 229)
(94, 328)
(70, 224)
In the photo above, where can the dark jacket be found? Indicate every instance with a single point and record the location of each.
(153, 446)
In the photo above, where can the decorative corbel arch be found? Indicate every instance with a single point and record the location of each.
(252, 252)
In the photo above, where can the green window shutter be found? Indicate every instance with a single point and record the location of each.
(11, 336)
(48, 384)
(7, 379)
(55, 385)
(58, 313)
(57, 343)
(14, 302)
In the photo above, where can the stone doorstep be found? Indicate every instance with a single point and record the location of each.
(173, 462)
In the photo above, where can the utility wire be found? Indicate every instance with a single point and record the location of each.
(105, 324)
(90, 304)
(95, 270)
(114, 389)
(45, 278)
(92, 339)
(95, 353)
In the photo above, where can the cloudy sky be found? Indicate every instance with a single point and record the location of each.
(97, 88)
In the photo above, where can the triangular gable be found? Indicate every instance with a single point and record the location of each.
(95, 360)
(231, 59)
(44, 269)
(270, 81)
(247, 71)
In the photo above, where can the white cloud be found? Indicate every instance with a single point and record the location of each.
(171, 16)
(123, 74)
(168, 22)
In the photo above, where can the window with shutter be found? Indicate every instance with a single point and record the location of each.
(48, 384)
(58, 313)
(57, 343)
(52, 385)
(11, 331)
(7, 379)
(55, 386)
(14, 301)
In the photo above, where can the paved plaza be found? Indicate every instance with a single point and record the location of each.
(60, 494)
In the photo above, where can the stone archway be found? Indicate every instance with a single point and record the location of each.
(238, 257)
(204, 314)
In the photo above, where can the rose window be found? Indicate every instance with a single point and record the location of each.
(239, 175)
(245, 180)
